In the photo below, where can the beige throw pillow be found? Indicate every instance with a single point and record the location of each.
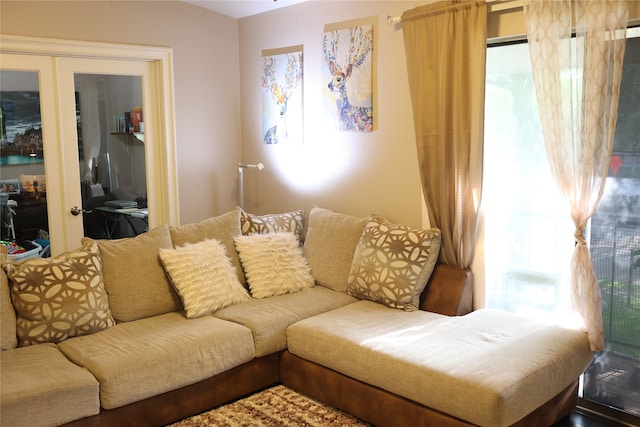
(134, 278)
(223, 228)
(273, 264)
(331, 241)
(273, 223)
(203, 276)
(58, 298)
(392, 263)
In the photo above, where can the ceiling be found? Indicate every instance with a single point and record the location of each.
(242, 8)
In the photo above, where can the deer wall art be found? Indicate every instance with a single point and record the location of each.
(281, 76)
(345, 53)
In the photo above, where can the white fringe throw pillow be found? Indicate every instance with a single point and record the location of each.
(273, 264)
(203, 276)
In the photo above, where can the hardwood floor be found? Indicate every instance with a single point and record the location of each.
(580, 420)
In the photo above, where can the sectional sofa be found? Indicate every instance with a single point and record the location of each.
(354, 311)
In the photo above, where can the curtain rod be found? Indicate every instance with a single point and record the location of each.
(494, 6)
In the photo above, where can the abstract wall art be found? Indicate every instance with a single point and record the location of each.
(282, 95)
(348, 75)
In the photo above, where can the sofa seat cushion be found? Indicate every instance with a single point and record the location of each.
(269, 318)
(489, 368)
(136, 360)
(41, 387)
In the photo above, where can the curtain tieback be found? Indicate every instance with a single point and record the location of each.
(579, 236)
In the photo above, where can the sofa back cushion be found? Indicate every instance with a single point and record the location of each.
(59, 298)
(392, 263)
(8, 337)
(134, 278)
(222, 228)
(331, 241)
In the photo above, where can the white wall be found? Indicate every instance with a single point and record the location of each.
(356, 173)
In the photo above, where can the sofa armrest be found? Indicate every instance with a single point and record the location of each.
(449, 291)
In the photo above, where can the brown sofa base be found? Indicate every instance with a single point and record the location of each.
(382, 408)
(190, 400)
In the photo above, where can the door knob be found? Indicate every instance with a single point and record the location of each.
(75, 211)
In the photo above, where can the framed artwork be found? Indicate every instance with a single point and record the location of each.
(348, 75)
(9, 186)
(21, 128)
(282, 72)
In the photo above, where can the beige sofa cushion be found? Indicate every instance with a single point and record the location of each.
(269, 318)
(40, 387)
(273, 223)
(136, 283)
(203, 276)
(273, 264)
(392, 263)
(223, 228)
(8, 337)
(136, 360)
(489, 368)
(61, 297)
(331, 241)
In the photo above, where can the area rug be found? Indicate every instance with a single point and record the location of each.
(274, 407)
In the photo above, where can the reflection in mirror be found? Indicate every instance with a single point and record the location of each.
(112, 155)
(23, 190)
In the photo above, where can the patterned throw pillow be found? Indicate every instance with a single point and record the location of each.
(392, 263)
(273, 264)
(273, 223)
(58, 298)
(203, 276)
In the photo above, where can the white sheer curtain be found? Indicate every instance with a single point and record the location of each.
(577, 86)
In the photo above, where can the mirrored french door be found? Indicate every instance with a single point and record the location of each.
(98, 158)
(102, 105)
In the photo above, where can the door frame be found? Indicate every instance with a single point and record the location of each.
(162, 182)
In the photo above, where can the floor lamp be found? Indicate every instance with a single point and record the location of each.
(241, 168)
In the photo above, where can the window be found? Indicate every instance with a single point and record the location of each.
(529, 235)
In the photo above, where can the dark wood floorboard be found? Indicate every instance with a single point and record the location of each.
(579, 420)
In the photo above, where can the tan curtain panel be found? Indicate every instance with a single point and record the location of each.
(577, 84)
(445, 46)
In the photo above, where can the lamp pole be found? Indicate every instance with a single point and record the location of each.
(241, 168)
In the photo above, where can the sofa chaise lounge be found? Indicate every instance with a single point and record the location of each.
(152, 329)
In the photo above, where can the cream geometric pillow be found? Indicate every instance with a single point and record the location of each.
(203, 276)
(273, 223)
(58, 298)
(273, 264)
(392, 263)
